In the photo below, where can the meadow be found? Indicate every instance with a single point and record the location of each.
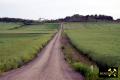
(20, 45)
(99, 41)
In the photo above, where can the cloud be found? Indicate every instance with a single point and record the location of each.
(57, 8)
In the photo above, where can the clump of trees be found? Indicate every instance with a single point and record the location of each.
(81, 18)
(87, 18)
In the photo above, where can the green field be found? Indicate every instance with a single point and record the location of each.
(20, 45)
(99, 41)
(4, 26)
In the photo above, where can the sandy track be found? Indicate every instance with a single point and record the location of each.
(49, 65)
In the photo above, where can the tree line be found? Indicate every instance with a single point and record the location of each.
(86, 18)
(74, 18)
(24, 21)
(81, 18)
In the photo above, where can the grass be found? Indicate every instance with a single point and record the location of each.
(6, 26)
(19, 46)
(99, 41)
(89, 72)
(76, 62)
(40, 28)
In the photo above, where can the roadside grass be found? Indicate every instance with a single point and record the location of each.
(85, 67)
(87, 71)
(99, 41)
(18, 47)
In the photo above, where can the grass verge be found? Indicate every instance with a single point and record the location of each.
(79, 62)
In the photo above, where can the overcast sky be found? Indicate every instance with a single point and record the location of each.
(52, 9)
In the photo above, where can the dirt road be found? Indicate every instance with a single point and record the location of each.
(49, 65)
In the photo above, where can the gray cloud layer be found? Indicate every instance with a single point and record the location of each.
(34, 9)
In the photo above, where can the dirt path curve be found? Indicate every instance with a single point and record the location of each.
(49, 65)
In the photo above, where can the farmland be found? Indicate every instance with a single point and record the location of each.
(99, 41)
(20, 45)
(4, 26)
